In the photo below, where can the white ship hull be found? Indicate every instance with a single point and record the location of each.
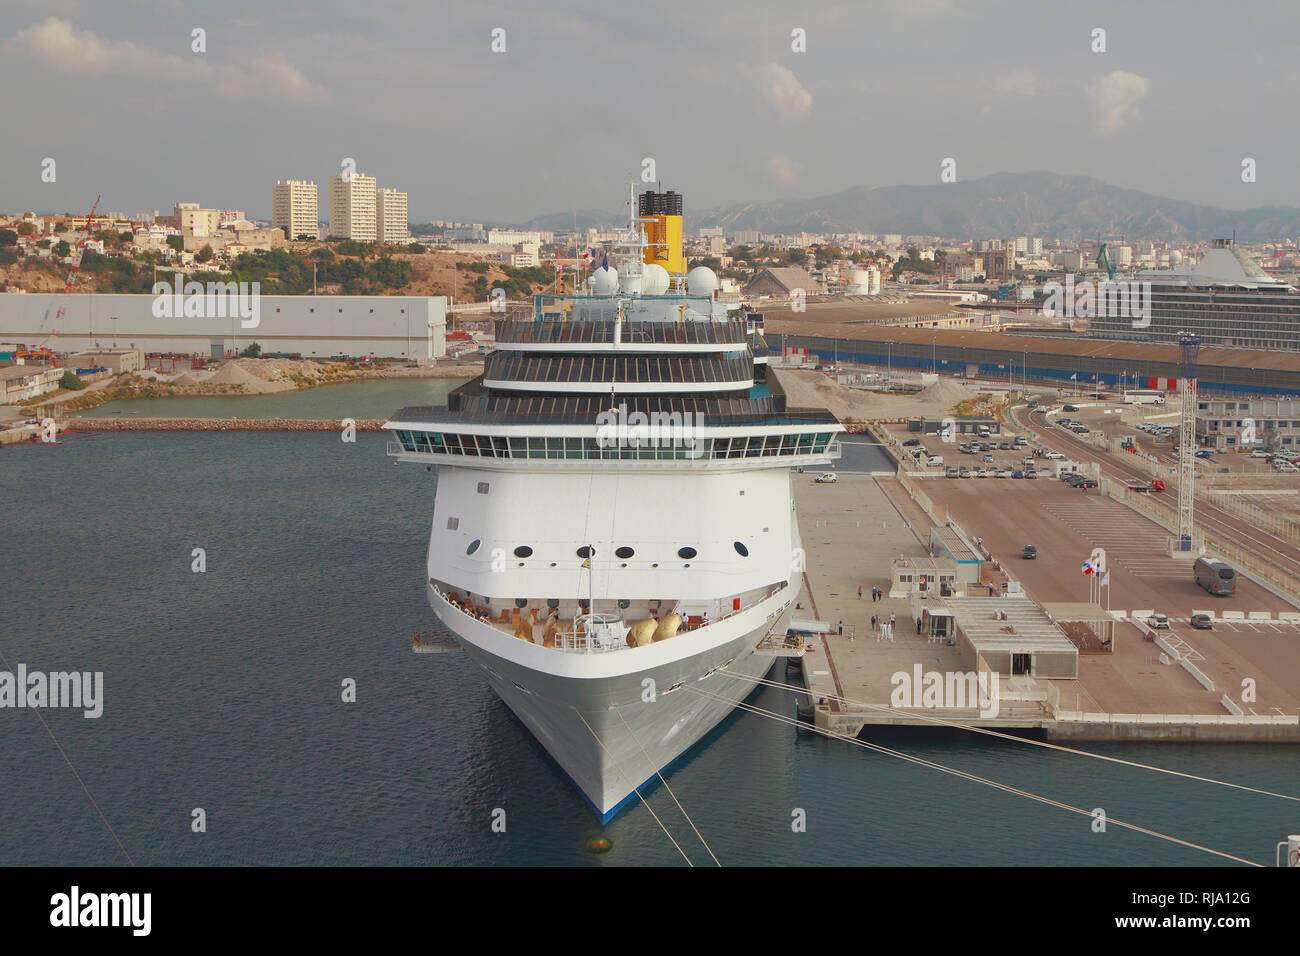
(613, 732)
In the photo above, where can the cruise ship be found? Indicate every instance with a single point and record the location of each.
(614, 538)
(1225, 299)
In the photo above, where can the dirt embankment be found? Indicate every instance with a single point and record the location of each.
(246, 376)
(812, 389)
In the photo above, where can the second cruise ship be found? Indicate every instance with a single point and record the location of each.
(614, 540)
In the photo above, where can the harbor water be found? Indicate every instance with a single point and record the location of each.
(224, 691)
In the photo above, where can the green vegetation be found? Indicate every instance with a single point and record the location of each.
(253, 351)
(70, 381)
(8, 237)
(25, 228)
(912, 262)
(176, 242)
(205, 254)
(61, 248)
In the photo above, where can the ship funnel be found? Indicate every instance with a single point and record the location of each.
(663, 229)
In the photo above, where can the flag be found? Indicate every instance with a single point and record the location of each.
(1087, 567)
(1105, 580)
(1074, 376)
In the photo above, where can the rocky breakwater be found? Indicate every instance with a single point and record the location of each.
(219, 425)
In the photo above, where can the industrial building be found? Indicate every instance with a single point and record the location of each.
(24, 382)
(384, 326)
(1269, 424)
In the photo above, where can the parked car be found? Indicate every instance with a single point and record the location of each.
(1202, 622)
(1071, 408)
(988, 459)
(1054, 456)
(1202, 453)
(1030, 473)
(1158, 621)
(1004, 445)
(963, 472)
(825, 478)
(1029, 553)
(1257, 453)
(952, 473)
(1004, 472)
(911, 442)
(1017, 474)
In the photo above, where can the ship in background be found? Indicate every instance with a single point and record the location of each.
(614, 538)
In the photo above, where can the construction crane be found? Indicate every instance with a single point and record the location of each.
(1189, 345)
(1103, 261)
(69, 283)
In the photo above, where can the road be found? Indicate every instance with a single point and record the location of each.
(1268, 547)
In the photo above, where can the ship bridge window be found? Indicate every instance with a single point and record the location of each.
(586, 551)
(473, 546)
(741, 549)
(482, 487)
(523, 551)
(686, 553)
(624, 552)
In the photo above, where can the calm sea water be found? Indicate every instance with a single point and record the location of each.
(223, 691)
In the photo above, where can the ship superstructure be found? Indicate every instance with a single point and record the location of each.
(613, 530)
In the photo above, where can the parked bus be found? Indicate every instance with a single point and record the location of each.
(1216, 576)
(1144, 396)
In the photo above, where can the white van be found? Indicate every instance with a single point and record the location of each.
(934, 461)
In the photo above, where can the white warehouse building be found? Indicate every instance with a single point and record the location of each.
(385, 326)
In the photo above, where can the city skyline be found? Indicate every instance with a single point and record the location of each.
(308, 88)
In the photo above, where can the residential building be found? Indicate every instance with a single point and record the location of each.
(294, 208)
(390, 216)
(352, 207)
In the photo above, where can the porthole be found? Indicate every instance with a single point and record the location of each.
(741, 549)
(624, 603)
(552, 602)
(586, 551)
(473, 546)
(624, 552)
(686, 553)
(521, 602)
(523, 551)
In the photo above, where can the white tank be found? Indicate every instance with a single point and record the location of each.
(702, 281)
(654, 279)
(604, 281)
(860, 282)
(1175, 258)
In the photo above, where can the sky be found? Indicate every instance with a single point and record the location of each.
(578, 95)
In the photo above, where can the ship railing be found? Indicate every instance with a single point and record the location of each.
(581, 642)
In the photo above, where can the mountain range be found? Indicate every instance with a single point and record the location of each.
(1000, 205)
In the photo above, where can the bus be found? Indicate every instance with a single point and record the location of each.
(1215, 576)
(1144, 396)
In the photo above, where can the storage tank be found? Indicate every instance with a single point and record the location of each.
(860, 282)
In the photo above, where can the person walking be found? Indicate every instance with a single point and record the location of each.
(918, 627)
(859, 592)
(891, 618)
(841, 629)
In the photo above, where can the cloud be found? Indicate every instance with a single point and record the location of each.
(1019, 81)
(782, 169)
(784, 93)
(1115, 99)
(57, 44)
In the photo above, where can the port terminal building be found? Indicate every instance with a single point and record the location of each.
(836, 333)
(383, 326)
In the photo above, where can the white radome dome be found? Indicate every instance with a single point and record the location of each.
(1175, 258)
(604, 281)
(702, 281)
(654, 279)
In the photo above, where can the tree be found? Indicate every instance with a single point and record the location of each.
(60, 227)
(205, 254)
(62, 248)
(8, 237)
(70, 381)
(126, 237)
(25, 228)
(253, 351)
(415, 247)
(796, 256)
(176, 242)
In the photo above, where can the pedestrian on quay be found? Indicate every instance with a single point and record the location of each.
(859, 592)
(841, 629)
(891, 618)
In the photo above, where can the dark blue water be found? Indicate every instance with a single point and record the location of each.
(223, 691)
